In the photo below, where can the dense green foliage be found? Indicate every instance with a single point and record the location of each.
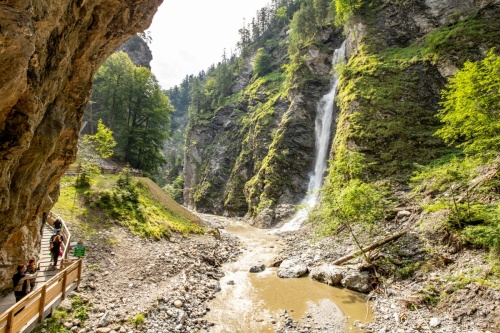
(130, 102)
(262, 63)
(175, 189)
(91, 147)
(470, 115)
(471, 107)
(344, 9)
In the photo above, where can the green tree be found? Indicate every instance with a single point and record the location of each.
(130, 101)
(104, 142)
(262, 62)
(322, 11)
(91, 149)
(111, 84)
(344, 9)
(302, 28)
(357, 203)
(148, 119)
(348, 200)
(471, 107)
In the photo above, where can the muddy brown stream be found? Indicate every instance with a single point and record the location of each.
(255, 302)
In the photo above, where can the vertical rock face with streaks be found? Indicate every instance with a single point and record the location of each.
(49, 51)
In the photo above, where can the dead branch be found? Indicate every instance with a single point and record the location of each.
(370, 247)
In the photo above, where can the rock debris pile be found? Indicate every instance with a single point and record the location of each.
(167, 281)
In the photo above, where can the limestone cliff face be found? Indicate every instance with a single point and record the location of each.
(254, 156)
(49, 51)
(400, 59)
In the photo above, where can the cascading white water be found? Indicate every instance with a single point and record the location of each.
(323, 126)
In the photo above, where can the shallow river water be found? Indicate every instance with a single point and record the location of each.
(253, 302)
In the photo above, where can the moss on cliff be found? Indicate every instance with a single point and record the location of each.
(387, 104)
(465, 40)
(257, 125)
(388, 96)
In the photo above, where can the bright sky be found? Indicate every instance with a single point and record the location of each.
(190, 35)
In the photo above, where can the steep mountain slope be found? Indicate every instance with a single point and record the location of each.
(252, 154)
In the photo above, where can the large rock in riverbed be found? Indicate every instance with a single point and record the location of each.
(329, 274)
(357, 281)
(350, 278)
(292, 269)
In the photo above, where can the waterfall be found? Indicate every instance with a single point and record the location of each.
(322, 130)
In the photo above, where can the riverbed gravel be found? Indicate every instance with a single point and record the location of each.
(167, 281)
(171, 281)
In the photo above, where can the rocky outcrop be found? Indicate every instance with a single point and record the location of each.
(49, 53)
(329, 274)
(389, 114)
(138, 51)
(291, 268)
(347, 277)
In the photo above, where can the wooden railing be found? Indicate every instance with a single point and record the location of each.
(32, 309)
(64, 232)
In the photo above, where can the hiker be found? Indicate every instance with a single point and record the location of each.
(58, 224)
(31, 269)
(19, 280)
(55, 247)
(58, 232)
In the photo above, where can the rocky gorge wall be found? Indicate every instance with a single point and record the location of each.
(400, 59)
(400, 55)
(267, 132)
(48, 55)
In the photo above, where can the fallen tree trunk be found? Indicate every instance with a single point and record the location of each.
(370, 247)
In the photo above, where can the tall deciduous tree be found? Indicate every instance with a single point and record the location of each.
(130, 101)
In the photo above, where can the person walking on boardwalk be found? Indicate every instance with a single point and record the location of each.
(57, 224)
(31, 269)
(19, 280)
(55, 247)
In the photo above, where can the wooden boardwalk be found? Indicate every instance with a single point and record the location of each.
(52, 286)
(43, 276)
(45, 272)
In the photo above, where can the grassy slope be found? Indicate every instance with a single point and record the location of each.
(161, 197)
(154, 215)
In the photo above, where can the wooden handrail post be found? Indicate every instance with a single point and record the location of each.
(10, 320)
(65, 276)
(80, 266)
(42, 304)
